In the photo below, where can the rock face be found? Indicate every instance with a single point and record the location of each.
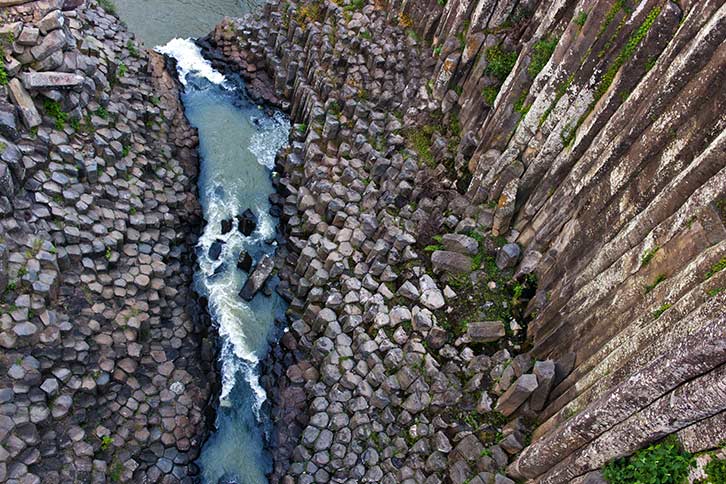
(550, 119)
(104, 375)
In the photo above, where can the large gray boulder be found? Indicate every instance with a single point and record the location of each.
(485, 331)
(51, 80)
(257, 279)
(447, 261)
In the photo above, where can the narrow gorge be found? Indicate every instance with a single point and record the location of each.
(350, 241)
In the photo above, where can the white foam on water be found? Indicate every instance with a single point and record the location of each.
(190, 60)
(269, 138)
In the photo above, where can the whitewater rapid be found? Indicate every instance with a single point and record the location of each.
(238, 144)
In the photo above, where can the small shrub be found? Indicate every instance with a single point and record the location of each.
(665, 307)
(108, 6)
(662, 463)
(715, 472)
(716, 268)
(499, 62)
(489, 93)
(102, 112)
(648, 255)
(658, 279)
(133, 50)
(106, 442)
(53, 109)
(3, 74)
(355, 5)
(122, 70)
(541, 53)
(581, 18)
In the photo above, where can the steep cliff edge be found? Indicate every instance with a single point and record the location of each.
(591, 135)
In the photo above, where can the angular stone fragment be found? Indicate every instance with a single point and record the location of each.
(516, 394)
(51, 80)
(460, 243)
(258, 278)
(52, 21)
(545, 373)
(447, 261)
(51, 43)
(508, 256)
(24, 102)
(505, 208)
(485, 331)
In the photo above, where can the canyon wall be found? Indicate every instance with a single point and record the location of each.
(590, 134)
(610, 157)
(104, 376)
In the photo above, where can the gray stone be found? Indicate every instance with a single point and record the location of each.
(485, 331)
(24, 102)
(460, 243)
(52, 21)
(447, 261)
(545, 373)
(51, 43)
(51, 80)
(508, 256)
(516, 394)
(257, 279)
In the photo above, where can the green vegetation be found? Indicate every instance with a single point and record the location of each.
(108, 6)
(355, 5)
(581, 18)
(665, 307)
(625, 54)
(3, 73)
(500, 63)
(102, 112)
(420, 141)
(715, 472)
(365, 34)
(648, 255)
(715, 291)
(658, 279)
(115, 472)
(541, 53)
(54, 110)
(662, 463)
(716, 268)
(133, 50)
(106, 442)
(309, 12)
(122, 70)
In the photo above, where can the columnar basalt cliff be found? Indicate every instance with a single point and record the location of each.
(102, 373)
(504, 242)
(588, 134)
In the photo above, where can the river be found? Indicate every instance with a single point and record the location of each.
(237, 145)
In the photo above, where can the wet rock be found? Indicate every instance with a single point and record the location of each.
(244, 262)
(215, 250)
(226, 226)
(257, 278)
(247, 222)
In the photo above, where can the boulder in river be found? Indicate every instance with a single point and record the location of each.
(226, 226)
(247, 222)
(215, 249)
(244, 262)
(257, 279)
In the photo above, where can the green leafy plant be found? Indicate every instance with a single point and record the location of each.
(658, 279)
(648, 255)
(500, 62)
(122, 70)
(581, 18)
(54, 110)
(102, 112)
(106, 442)
(541, 53)
(662, 463)
(665, 307)
(715, 472)
(716, 268)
